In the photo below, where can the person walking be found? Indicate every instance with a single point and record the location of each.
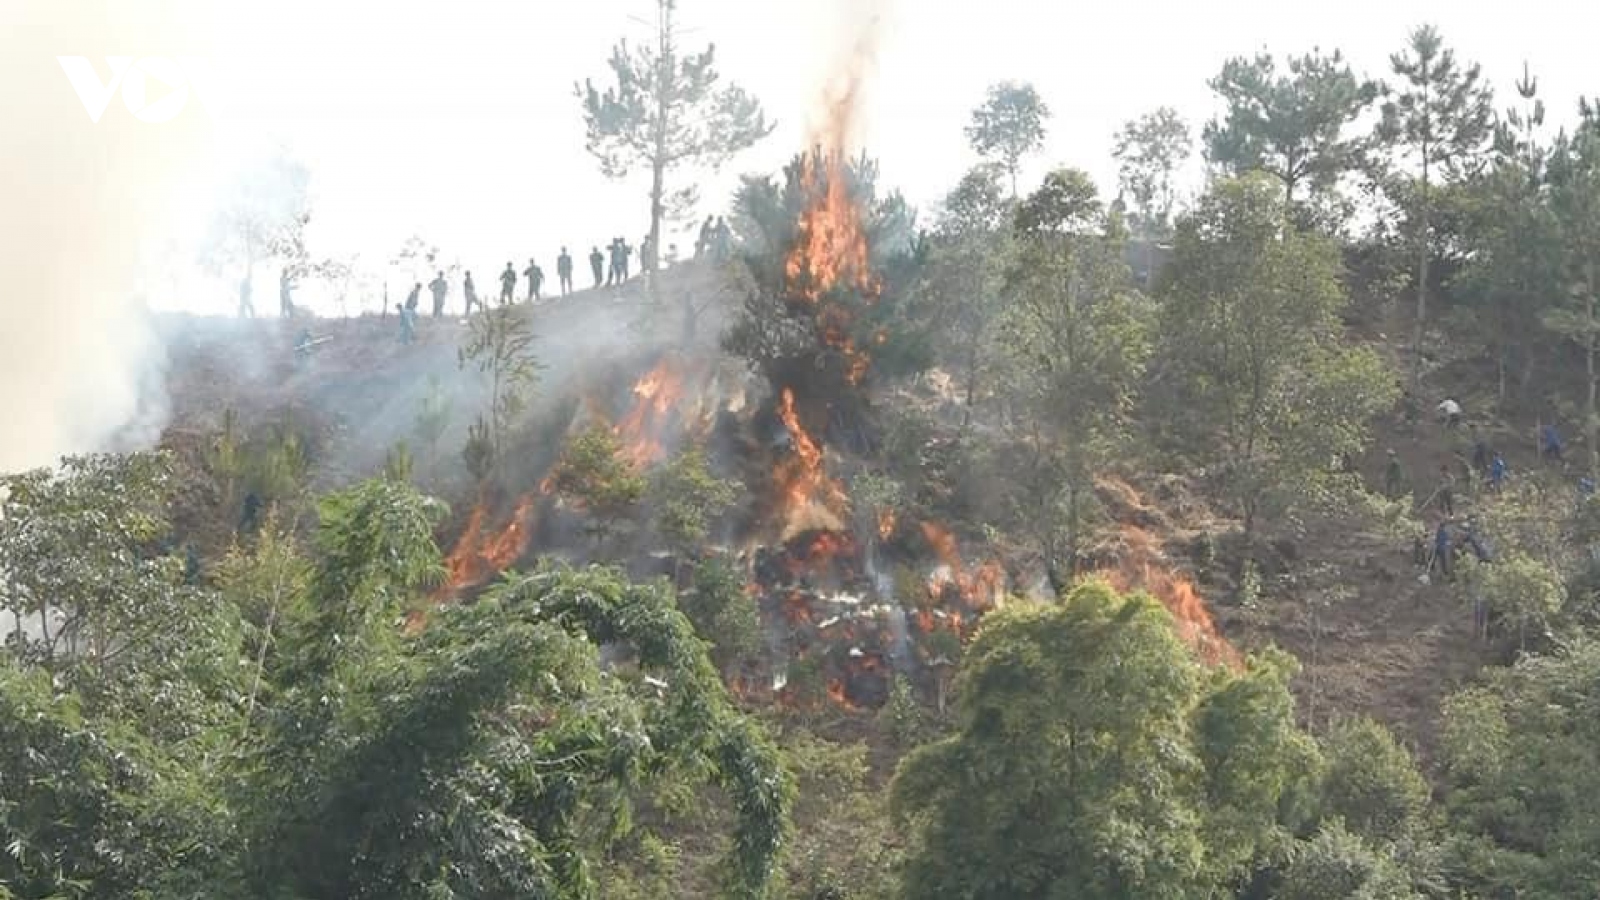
(597, 261)
(1441, 549)
(508, 285)
(1446, 492)
(535, 276)
(470, 291)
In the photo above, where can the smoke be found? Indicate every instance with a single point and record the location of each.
(79, 360)
(837, 123)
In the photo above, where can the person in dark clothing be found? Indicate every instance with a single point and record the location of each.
(564, 271)
(614, 272)
(702, 244)
(471, 292)
(535, 276)
(508, 284)
(1394, 478)
(597, 261)
(1497, 472)
(1550, 443)
(414, 299)
(1447, 493)
(625, 253)
(1442, 549)
(285, 289)
(1480, 455)
(440, 288)
(250, 513)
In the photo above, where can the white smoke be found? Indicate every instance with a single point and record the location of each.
(79, 201)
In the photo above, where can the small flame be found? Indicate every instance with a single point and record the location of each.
(886, 524)
(982, 589)
(1141, 569)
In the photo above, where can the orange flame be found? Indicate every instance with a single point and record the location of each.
(656, 395)
(1141, 569)
(982, 589)
(477, 557)
(886, 524)
(809, 498)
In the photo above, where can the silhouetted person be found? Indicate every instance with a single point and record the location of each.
(564, 271)
(535, 276)
(627, 256)
(250, 513)
(285, 287)
(724, 238)
(597, 261)
(414, 299)
(471, 292)
(440, 288)
(614, 276)
(508, 284)
(246, 308)
(702, 244)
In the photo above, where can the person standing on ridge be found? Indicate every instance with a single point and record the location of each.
(564, 271)
(627, 256)
(285, 287)
(471, 292)
(535, 276)
(597, 261)
(1550, 443)
(508, 285)
(439, 287)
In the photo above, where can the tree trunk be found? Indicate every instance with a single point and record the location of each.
(658, 159)
(1422, 285)
(1590, 425)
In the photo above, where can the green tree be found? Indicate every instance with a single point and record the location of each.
(722, 611)
(500, 343)
(1372, 783)
(1075, 340)
(1294, 126)
(1149, 151)
(1255, 376)
(1008, 125)
(1513, 242)
(688, 499)
(968, 247)
(1338, 865)
(1060, 711)
(1522, 775)
(1436, 126)
(1575, 174)
(666, 110)
(432, 418)
(593, 474)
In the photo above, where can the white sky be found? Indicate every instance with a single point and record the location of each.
(457, 120)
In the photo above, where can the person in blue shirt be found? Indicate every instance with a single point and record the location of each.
(1497, 472)
(1550, 443)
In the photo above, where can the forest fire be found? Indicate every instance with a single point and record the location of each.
(1141, 568)
(809, 498)
(656, 396)
(478, 557)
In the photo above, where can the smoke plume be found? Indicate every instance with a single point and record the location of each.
(79, 361)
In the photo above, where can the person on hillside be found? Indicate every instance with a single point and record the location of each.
(1550, 443)
(247, 310)
(1441, 549)
(1471, 540)
(508, 284)
(470, 291)
(1447, 492)
(440, 288)
(626, 254)
(724, 239)
(1497, 473)
(1450, 412)
(597, 261)
(1394, 478)
(702, 244)
(285, 290)
(535, 276)
(414, 299)
(408, 323)
(564, 271)
(614, 273)
(1480, 454)
(303, 346)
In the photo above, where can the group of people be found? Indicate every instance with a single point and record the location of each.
(1451, 536)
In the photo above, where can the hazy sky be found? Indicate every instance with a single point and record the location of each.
(457, 120)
